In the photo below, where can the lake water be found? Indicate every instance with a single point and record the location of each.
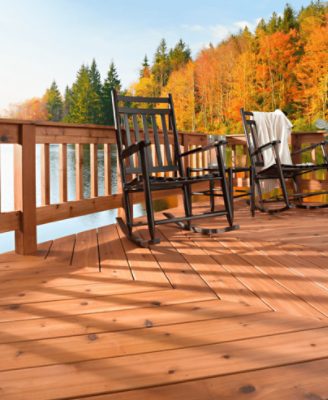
(68, 226)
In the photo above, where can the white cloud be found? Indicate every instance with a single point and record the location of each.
(251, 25)
(219, 32)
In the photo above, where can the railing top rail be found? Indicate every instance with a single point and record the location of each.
(6, 121)
(10, 121)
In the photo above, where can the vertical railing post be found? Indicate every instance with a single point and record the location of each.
(25, 190)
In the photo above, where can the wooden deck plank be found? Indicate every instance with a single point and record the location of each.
(88, 290)
(309, 256)
(183, 335)
(292, 382)
(121, 320)
(12, 262)
(62, 250)
(142, 263)
(179, 272)
(111, 253)
(243, 265)
(86, 251)
(281, 268)
(152, 369)
(224, 284)
(18, 312)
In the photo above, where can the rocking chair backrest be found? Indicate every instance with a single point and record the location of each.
(137, 118)
(251, 134)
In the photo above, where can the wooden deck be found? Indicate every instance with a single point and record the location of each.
(240, 315)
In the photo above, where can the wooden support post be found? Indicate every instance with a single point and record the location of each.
(45, 174)
(25, 188)
(63, 173)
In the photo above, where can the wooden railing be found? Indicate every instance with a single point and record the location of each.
(25, 136)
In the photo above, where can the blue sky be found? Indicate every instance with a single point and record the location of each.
(45, 40)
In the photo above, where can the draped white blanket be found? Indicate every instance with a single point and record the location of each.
(273, 126)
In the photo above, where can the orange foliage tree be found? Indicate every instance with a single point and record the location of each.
(275, 65)
(312, 74)
(32, 109)
(182, 87)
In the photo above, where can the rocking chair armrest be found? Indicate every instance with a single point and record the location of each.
(134, 148)
(313, 146)
(265, 146)
(204, 148)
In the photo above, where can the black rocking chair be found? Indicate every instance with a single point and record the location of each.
(279, 171)
(150, 159)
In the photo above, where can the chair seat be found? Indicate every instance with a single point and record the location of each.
(290, 170)
(162, 182)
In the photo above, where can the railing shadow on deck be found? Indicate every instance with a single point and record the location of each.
(26, 135)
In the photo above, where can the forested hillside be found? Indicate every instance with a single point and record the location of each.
(282, 64)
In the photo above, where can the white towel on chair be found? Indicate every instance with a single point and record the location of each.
(273, 126)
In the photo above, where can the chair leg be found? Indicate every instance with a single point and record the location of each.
(212, 198)
(187, 204)
(150, 211)
(257, 187)
(225, 191)
(284, 188)
(128, 211)
(252, 192)
(230, 175)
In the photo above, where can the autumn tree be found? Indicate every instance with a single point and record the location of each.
(31, 109)
(275, 70)
(312, 75)
(181, 86)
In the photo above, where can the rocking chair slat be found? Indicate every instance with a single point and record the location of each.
(166, 141)
(157, 142)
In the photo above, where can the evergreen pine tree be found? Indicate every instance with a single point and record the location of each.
(54, 103)
(95, 100)
(161, 68)
(179, 55)
(261, 26)
(81, 98)
(67, 102)
(111, 82)
(273, 24)
(289, 20)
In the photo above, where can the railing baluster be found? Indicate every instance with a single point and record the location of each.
(45, 174)
(79, 171)
(118, 175)
(63, 173)
(93, 170)
(107, 170)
